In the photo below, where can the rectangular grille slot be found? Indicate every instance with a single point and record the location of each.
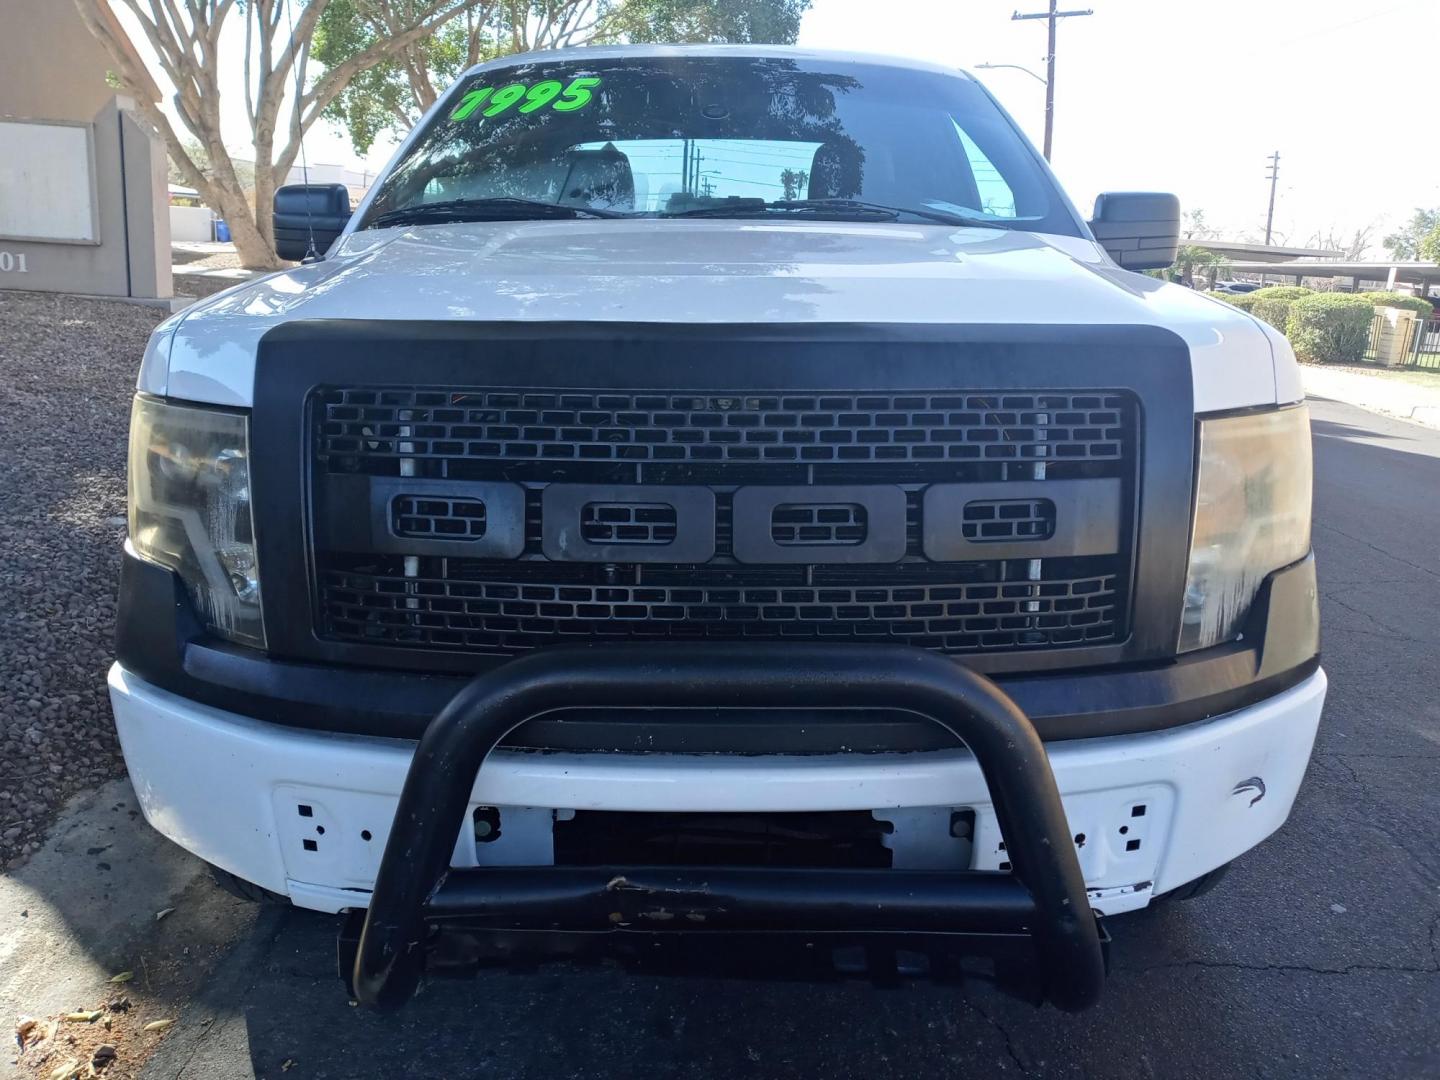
(795, 524)
(995, 520)
(437, 518)
(628, 523)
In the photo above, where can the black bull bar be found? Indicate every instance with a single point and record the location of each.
(1040, 907)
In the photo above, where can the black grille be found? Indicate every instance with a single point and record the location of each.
(534, 437)
(498, 607)
(370, 429)
(995, 520)
(430, 517)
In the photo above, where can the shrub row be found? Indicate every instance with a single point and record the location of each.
(1244, 301)
(1330, 327)
(1327, 327)
(1417, 304)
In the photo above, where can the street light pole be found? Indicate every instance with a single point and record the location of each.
(1052, 17)
(1015, 67)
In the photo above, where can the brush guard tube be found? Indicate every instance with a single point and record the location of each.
(1043, 899)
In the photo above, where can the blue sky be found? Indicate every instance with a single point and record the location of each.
(1191, 96)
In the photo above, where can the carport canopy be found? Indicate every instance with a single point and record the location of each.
(1422, 276)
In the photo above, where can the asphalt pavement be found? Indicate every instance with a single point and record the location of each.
(1319, 956)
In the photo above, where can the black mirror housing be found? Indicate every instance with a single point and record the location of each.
(1140, 230)
(303, 210)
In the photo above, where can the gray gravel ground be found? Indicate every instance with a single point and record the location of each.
(67, 372)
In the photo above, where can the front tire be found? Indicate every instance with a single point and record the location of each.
(1191, 889)
(246, 890)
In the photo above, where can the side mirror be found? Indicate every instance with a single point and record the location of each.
(1140, 230)
(303, 210)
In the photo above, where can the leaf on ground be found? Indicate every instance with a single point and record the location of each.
(287, 1065)
(162, 913)
(24, 1028)
(123, 977)
(157, 1025)
(64, 1072)
(84, 1017)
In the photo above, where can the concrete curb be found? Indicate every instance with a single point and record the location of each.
(1378, 393)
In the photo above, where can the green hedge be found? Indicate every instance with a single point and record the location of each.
(1244, 301)
(1417, 304)
(1282, 292)
(1274, 309)
(1333, 328)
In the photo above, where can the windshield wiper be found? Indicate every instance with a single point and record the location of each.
(944, 217)
(502, 208)
(847, 209)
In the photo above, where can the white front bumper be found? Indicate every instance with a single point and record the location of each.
(307, 814)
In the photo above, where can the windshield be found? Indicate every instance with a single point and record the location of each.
(719, 136)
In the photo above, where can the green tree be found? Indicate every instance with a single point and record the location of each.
(1192, 257)
(770, 21)
(391, 96)
(1404, 243)
(283, 95)
(1429, 246)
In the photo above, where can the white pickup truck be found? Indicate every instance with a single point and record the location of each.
(839, 546)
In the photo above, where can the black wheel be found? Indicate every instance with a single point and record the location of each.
(1191, 889)
(245, 890)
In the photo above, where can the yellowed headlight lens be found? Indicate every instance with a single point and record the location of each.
(1252, 516)
(189, 484)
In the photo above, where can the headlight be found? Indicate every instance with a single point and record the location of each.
(1252, 516)
(190, 509)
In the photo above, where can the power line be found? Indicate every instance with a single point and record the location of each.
(1051, 17)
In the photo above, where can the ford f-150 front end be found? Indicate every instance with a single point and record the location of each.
(726, 423)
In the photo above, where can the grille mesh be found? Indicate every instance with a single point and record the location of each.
(371, 429)
(482, 607)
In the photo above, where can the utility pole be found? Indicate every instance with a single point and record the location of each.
(1052, 17)
(1274, 160)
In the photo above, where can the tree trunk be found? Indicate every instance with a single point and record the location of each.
(254, 246)
(255, 251)
(186, 41)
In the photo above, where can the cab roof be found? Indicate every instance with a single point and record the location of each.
(779, 52)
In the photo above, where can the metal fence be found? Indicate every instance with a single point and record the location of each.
(1421, 347)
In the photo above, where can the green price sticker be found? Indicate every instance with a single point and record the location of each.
(528, 98)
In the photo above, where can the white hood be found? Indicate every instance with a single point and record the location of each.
(710, 271)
